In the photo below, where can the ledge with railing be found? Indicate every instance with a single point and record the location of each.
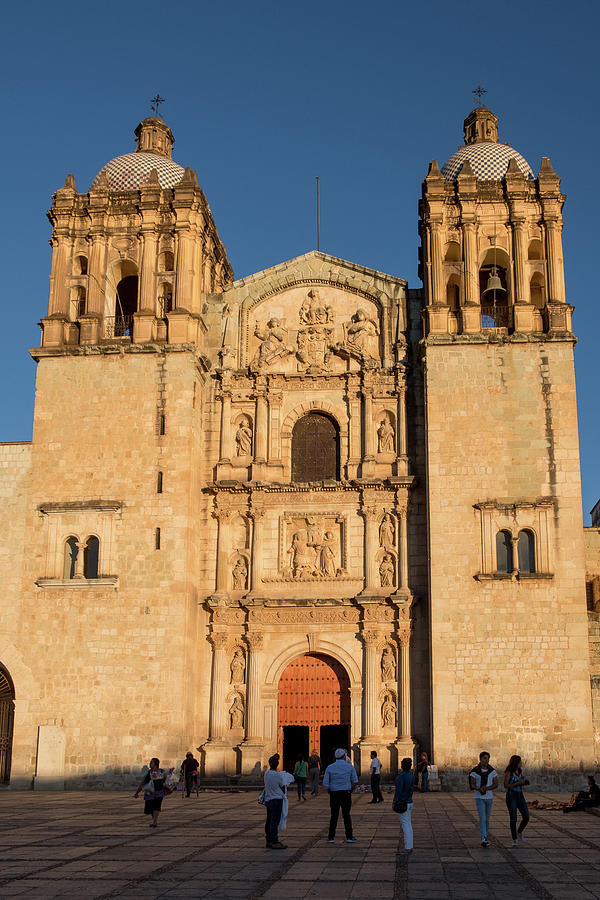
(495, 317)
(118, 326)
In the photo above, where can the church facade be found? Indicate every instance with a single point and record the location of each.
(305, 509)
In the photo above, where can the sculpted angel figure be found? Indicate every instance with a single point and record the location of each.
(273, 340)
(386, 435)
(238, 667)
(327, 560)
(240, 574)
(388, 712)
(361, 329)
(386, 571)
(386, 532)
(243, 438)
(388, 665)
(236, 712)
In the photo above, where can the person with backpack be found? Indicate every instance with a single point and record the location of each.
(483, 781)
(301, 774)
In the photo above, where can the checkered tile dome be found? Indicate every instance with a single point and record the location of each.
(128, 172)
(488, 159)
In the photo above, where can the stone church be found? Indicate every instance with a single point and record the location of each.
(305, 509)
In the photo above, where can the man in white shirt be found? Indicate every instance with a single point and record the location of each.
(375, 772)
(483, 781)
(339, 780)
(275, 789)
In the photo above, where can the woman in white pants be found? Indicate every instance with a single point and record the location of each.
(403, 797)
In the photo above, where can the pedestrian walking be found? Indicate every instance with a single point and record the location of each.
(339, 780)
(153, 786)
(483, 781)
(314, 772)
(189, 771)
(423, 772)
(514, 782)
(301, 774)
(403, 802)
(375, 772)
(275, 790)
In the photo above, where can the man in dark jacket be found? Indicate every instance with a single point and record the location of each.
(189, 770)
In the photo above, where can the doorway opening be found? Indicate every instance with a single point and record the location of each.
(7, 715)
(313, 709)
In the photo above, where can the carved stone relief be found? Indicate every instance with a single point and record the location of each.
(305, 615)
(243, 438)
(314, 340)
(238, 666)
(388, 664)
(272, 345)
(239, 574)
(311, 548)
(236, 712)
(389, 712)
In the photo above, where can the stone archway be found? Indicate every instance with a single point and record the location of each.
(313, 708)
(7, 715)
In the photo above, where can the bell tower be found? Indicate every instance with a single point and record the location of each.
(133, 257)
(491, 245)
(502, 473)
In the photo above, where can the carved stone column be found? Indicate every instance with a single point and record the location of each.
(224, 515)
(370, 514)
(405, 744)
(257, 514)
(520, 256)
(371, 729)
(368, 424)
(556, 277)
(78, 573)
(437, 294)
(253, 746)
(61, 251)
(261, 432)
(471, 274)
(147, 299)
(225, 426)
(401, 517)
(97, 275)
(218, 686)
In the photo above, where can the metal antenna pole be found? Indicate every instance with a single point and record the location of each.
(318, 214)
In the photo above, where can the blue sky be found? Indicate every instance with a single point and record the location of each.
(262, 97)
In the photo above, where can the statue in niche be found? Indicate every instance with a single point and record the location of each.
(236, 712)
(388, 665)
(386, 571)
(388, 712)
(238, 667)
(386, 435)
(240, 574)
(313, 311)
(272, 338)
(387, 533)
(361, 330)
(327, 556)
(243, 438)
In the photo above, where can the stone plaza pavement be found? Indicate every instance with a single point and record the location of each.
(98, 845)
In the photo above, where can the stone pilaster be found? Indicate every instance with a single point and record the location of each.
(216, 745)
(405, 744)
(370, 515)
(252, 748)
(223, 514)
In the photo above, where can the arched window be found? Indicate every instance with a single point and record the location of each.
(126, 305)
(71, 552)
(315, 448)
(504, 553)
(77, 302)
(526, 551)
(166, 261)
(452, 253)
(91, 554)
(537, 290)
(453, 292)
(80, 266)
(165, 298)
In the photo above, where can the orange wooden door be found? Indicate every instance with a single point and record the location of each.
(313, 691)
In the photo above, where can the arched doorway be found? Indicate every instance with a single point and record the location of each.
(313, 708)
(7, 715)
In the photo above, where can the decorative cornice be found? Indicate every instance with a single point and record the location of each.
(57, 508)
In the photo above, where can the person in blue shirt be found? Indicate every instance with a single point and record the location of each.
(339, 780)
(405, 783)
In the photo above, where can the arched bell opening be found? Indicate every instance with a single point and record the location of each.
(313, 709)
(121, 299)
(7, 716)
(77, 304)
(453, 293)
(494, 289)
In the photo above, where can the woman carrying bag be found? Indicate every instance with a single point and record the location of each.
(301, 774)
